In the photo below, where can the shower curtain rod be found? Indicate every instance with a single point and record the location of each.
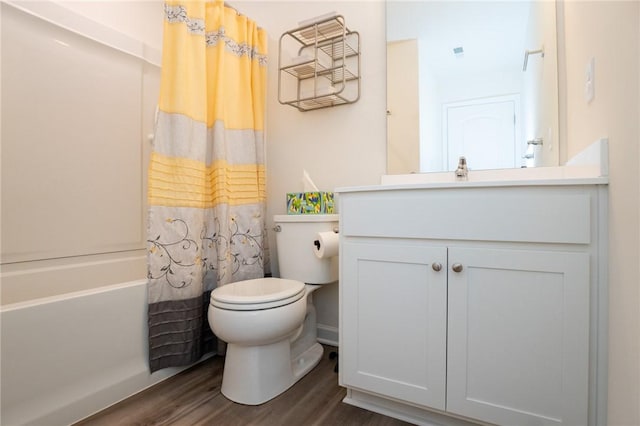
(235, 10)
(231, 7)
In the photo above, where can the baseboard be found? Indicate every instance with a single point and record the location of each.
(328, 335)
(405, 412)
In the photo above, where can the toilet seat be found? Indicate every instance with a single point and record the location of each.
(257, 294)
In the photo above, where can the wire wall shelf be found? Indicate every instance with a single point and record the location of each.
(325, 68)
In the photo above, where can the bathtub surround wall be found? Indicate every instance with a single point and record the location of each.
(73, 318)
(75, 221)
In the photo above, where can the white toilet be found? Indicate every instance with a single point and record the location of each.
(269, 324)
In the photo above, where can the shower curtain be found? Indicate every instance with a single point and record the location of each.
(206, 185)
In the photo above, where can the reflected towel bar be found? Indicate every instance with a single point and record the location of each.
(531, 52)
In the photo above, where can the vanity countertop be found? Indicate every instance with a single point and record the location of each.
(539, 176)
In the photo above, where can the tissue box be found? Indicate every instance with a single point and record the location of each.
(319, 202)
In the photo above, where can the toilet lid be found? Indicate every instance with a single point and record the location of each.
(261, 293)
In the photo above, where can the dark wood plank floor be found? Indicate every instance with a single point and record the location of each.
(193, 398)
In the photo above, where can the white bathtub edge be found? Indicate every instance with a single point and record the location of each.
(67, 357)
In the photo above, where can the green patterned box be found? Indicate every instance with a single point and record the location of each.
(319, 202)
(327, 202)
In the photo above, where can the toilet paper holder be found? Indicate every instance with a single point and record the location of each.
(317, 242)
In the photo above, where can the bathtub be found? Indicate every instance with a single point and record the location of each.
(66, 357)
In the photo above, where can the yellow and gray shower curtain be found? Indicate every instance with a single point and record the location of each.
(206, 186)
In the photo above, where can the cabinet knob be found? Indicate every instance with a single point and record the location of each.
(436, 266)
(456, 267)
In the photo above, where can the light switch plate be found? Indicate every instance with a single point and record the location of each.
(589, 85)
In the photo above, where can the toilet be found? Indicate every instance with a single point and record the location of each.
(269, 324)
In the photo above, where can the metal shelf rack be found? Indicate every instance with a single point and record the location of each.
(326, 70)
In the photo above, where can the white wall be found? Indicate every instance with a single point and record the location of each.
(609, 31)
(340, 146)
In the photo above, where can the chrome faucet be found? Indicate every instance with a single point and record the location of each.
(462, 173)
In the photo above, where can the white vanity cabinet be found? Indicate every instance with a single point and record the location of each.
(475, 303)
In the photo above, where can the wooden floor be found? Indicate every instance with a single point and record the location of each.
(193, 398)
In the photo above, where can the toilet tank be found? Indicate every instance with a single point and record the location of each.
(297, 260)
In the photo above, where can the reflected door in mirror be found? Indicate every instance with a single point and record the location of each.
(403, 127)
(484, 132)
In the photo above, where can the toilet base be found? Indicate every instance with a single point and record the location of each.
(254, 375)
(306, 361)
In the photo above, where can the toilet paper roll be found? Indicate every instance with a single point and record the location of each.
(326, 244)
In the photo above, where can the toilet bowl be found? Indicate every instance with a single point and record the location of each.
(269, 324)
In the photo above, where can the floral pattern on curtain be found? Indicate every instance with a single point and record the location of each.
(206, 185)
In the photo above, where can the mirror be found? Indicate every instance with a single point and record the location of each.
(471, 78)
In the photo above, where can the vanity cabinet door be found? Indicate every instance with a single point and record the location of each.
(518, 336)
(393, 318)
